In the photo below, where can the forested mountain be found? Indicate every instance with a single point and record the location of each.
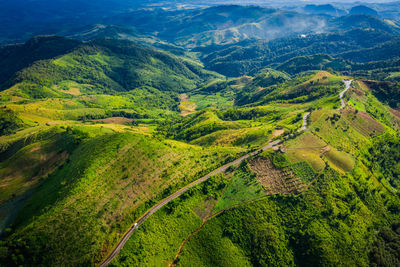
(14, 58)
(326, 9)
(102, 66)
(186, 133)
(361, 9)
(248, 56)
(219, 25)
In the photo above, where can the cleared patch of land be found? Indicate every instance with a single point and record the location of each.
(307, 148)
(340, 160)
(276, 181)
(205, 208)
(115, 120)
(362, 122)
(277, 133)
(187, 107)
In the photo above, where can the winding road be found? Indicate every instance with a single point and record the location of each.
(305, 117)
(165, 201)
(348, 85)
(222, 169)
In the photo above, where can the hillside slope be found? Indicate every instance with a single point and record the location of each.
(101, 78)
(14, 58)
(77, 211)
(318, 200)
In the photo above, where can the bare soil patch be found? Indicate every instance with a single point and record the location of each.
(72, 91)
(277, 133)
(395, 113)
(115, 120)
(276, 181)
(186, 106)
(358, 92)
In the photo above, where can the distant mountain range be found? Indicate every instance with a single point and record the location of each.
(21, 20)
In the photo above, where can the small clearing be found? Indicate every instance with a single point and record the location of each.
(276, 181)
(278, 133)
(72, 91)
(306, 147)
(204, 210)
(115, 120)
(187, 107)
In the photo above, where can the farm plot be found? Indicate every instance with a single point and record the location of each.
(276, 181)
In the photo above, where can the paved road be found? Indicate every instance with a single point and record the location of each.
(305, 117)
(165, 201)
(348, 84)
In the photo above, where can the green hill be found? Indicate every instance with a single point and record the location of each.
(14, 58)
(114, 66)
(323, 225)
(88, 181)
(104, 181)
(103, 78)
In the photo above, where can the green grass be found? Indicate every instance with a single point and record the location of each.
(215, 100)
(340, 160)
(156, 242)
(357, 104)
(236, 239)
(245, 137)
(31, 165)
(243, 188)
(307, 147)
(142, 170)
(211, 248)
(304, 171)
(200, 124)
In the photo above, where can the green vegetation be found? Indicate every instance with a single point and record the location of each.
(383, 157)
(108, 162)
(215, 100)
(9, 122)
(304, 171)
(314, 228)
(157, 240)
(385, 248)
(386, 92)
(340, 159)
(94, 133)
(244, 187)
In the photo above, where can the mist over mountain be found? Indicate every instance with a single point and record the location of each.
(21, 20)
